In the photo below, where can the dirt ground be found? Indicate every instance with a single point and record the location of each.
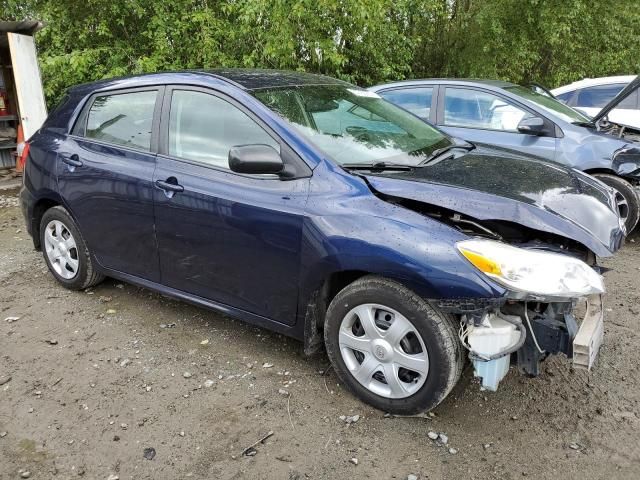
(89, 380)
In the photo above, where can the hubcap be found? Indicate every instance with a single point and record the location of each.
(61, 249)
(383, 351)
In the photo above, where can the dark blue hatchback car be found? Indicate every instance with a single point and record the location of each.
(321, 211)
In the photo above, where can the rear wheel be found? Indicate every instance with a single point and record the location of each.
(65, 252)
(626, 198)
(391, 348)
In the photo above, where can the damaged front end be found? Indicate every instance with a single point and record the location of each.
(530, 331)
(553, 306)
(536, 238)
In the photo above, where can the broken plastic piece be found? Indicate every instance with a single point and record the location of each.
(590, 335)
(494, 336)
(491, 372)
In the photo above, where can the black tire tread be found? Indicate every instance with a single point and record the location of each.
(92, 277)
(444, 322)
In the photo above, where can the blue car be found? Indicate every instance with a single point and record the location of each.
(314, 208)
(510, 116)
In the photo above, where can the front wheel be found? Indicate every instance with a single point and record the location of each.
(391, 348)
(627, 199)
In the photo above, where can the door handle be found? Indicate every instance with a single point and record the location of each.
(169, 185)
(72, 161)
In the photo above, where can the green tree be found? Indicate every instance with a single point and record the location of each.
(362, 41)
(549, 41)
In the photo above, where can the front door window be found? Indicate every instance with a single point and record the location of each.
(465, 107)
(203, 128)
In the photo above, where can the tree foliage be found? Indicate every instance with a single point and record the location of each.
(362, 41)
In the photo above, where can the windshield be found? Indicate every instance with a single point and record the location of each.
(354, 126)
(549, 104)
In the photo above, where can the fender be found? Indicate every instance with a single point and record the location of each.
(368, 235)
(626, 162)
(387, 248)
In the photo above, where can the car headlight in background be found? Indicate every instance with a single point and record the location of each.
(532, 271)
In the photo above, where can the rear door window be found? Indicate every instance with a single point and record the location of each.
(416, 100)
(122, 119)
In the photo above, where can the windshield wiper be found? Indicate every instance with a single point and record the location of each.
(440, 151)
(377, 166)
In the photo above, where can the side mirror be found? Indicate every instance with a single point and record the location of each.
(531, 126)
(255, 159)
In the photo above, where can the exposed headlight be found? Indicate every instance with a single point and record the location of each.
(532, 271)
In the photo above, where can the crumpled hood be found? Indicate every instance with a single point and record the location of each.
(491, 184)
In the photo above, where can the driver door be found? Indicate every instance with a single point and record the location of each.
(479, 116)
(231, 238)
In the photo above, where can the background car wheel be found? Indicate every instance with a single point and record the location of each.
(628, 200)
(65, 252)
(391, 348)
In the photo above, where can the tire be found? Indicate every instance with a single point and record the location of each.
(630, 202)
(66, 252)
(431, 333)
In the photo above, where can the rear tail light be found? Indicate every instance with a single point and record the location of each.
(23, 153)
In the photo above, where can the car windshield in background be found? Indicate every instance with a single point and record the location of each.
(355, 126)
(549, 104)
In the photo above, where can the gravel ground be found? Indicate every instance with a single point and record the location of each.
(91, 381)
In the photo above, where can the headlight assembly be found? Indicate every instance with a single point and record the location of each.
(532, 271)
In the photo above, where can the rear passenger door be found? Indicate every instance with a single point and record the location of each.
(105, 172)
(480, 116)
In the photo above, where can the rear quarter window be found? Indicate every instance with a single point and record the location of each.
(59, 105)
(58, 118)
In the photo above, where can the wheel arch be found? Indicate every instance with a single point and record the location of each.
(43, 204)
(317, 302)
(423, 260)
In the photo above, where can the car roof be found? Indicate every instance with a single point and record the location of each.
(244, 78)
(451, 81)
(255, 78)
(591, 82)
